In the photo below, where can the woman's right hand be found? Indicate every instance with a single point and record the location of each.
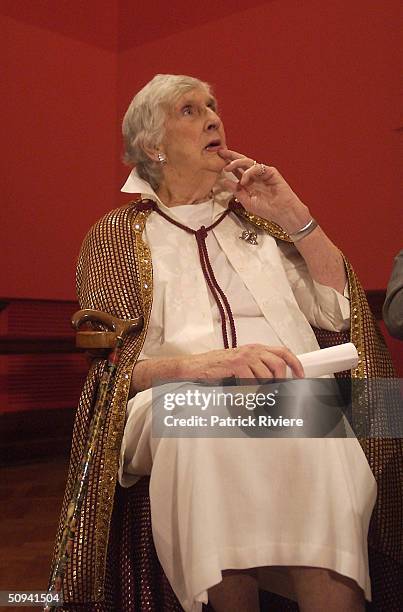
(251, 361)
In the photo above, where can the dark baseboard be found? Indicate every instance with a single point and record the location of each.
(35, 435)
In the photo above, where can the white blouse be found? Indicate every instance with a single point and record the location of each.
(270, 291)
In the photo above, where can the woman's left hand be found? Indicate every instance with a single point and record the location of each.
(263, 191)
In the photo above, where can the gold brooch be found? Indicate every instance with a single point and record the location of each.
(250, 237)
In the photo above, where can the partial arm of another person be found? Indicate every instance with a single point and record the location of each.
(393, 306)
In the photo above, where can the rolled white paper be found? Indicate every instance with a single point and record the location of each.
(328, 360)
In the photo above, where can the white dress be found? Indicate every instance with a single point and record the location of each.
(233, 503)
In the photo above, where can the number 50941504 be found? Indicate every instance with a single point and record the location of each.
(30, 598)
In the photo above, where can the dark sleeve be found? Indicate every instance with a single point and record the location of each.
(393, 306)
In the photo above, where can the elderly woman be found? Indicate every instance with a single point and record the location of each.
(227, 288)
(176, 139)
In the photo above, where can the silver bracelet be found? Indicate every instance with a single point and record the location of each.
(304, 231)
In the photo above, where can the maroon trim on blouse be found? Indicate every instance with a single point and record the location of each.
(208, 272)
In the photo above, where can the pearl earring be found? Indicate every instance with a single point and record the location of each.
(161, 158)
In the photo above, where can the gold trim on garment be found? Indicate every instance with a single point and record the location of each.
(268, 226)
(118, 408)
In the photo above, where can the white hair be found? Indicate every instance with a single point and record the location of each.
(144, 122)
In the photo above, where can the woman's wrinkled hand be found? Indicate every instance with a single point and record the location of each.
(252, 361)
(264, 192)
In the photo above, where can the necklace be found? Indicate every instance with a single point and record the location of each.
(216, 291)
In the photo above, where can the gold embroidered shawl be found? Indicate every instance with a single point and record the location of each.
(114, 275)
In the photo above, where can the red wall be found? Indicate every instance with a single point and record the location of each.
(58, 154)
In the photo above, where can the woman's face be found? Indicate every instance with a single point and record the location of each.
(194, 134)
